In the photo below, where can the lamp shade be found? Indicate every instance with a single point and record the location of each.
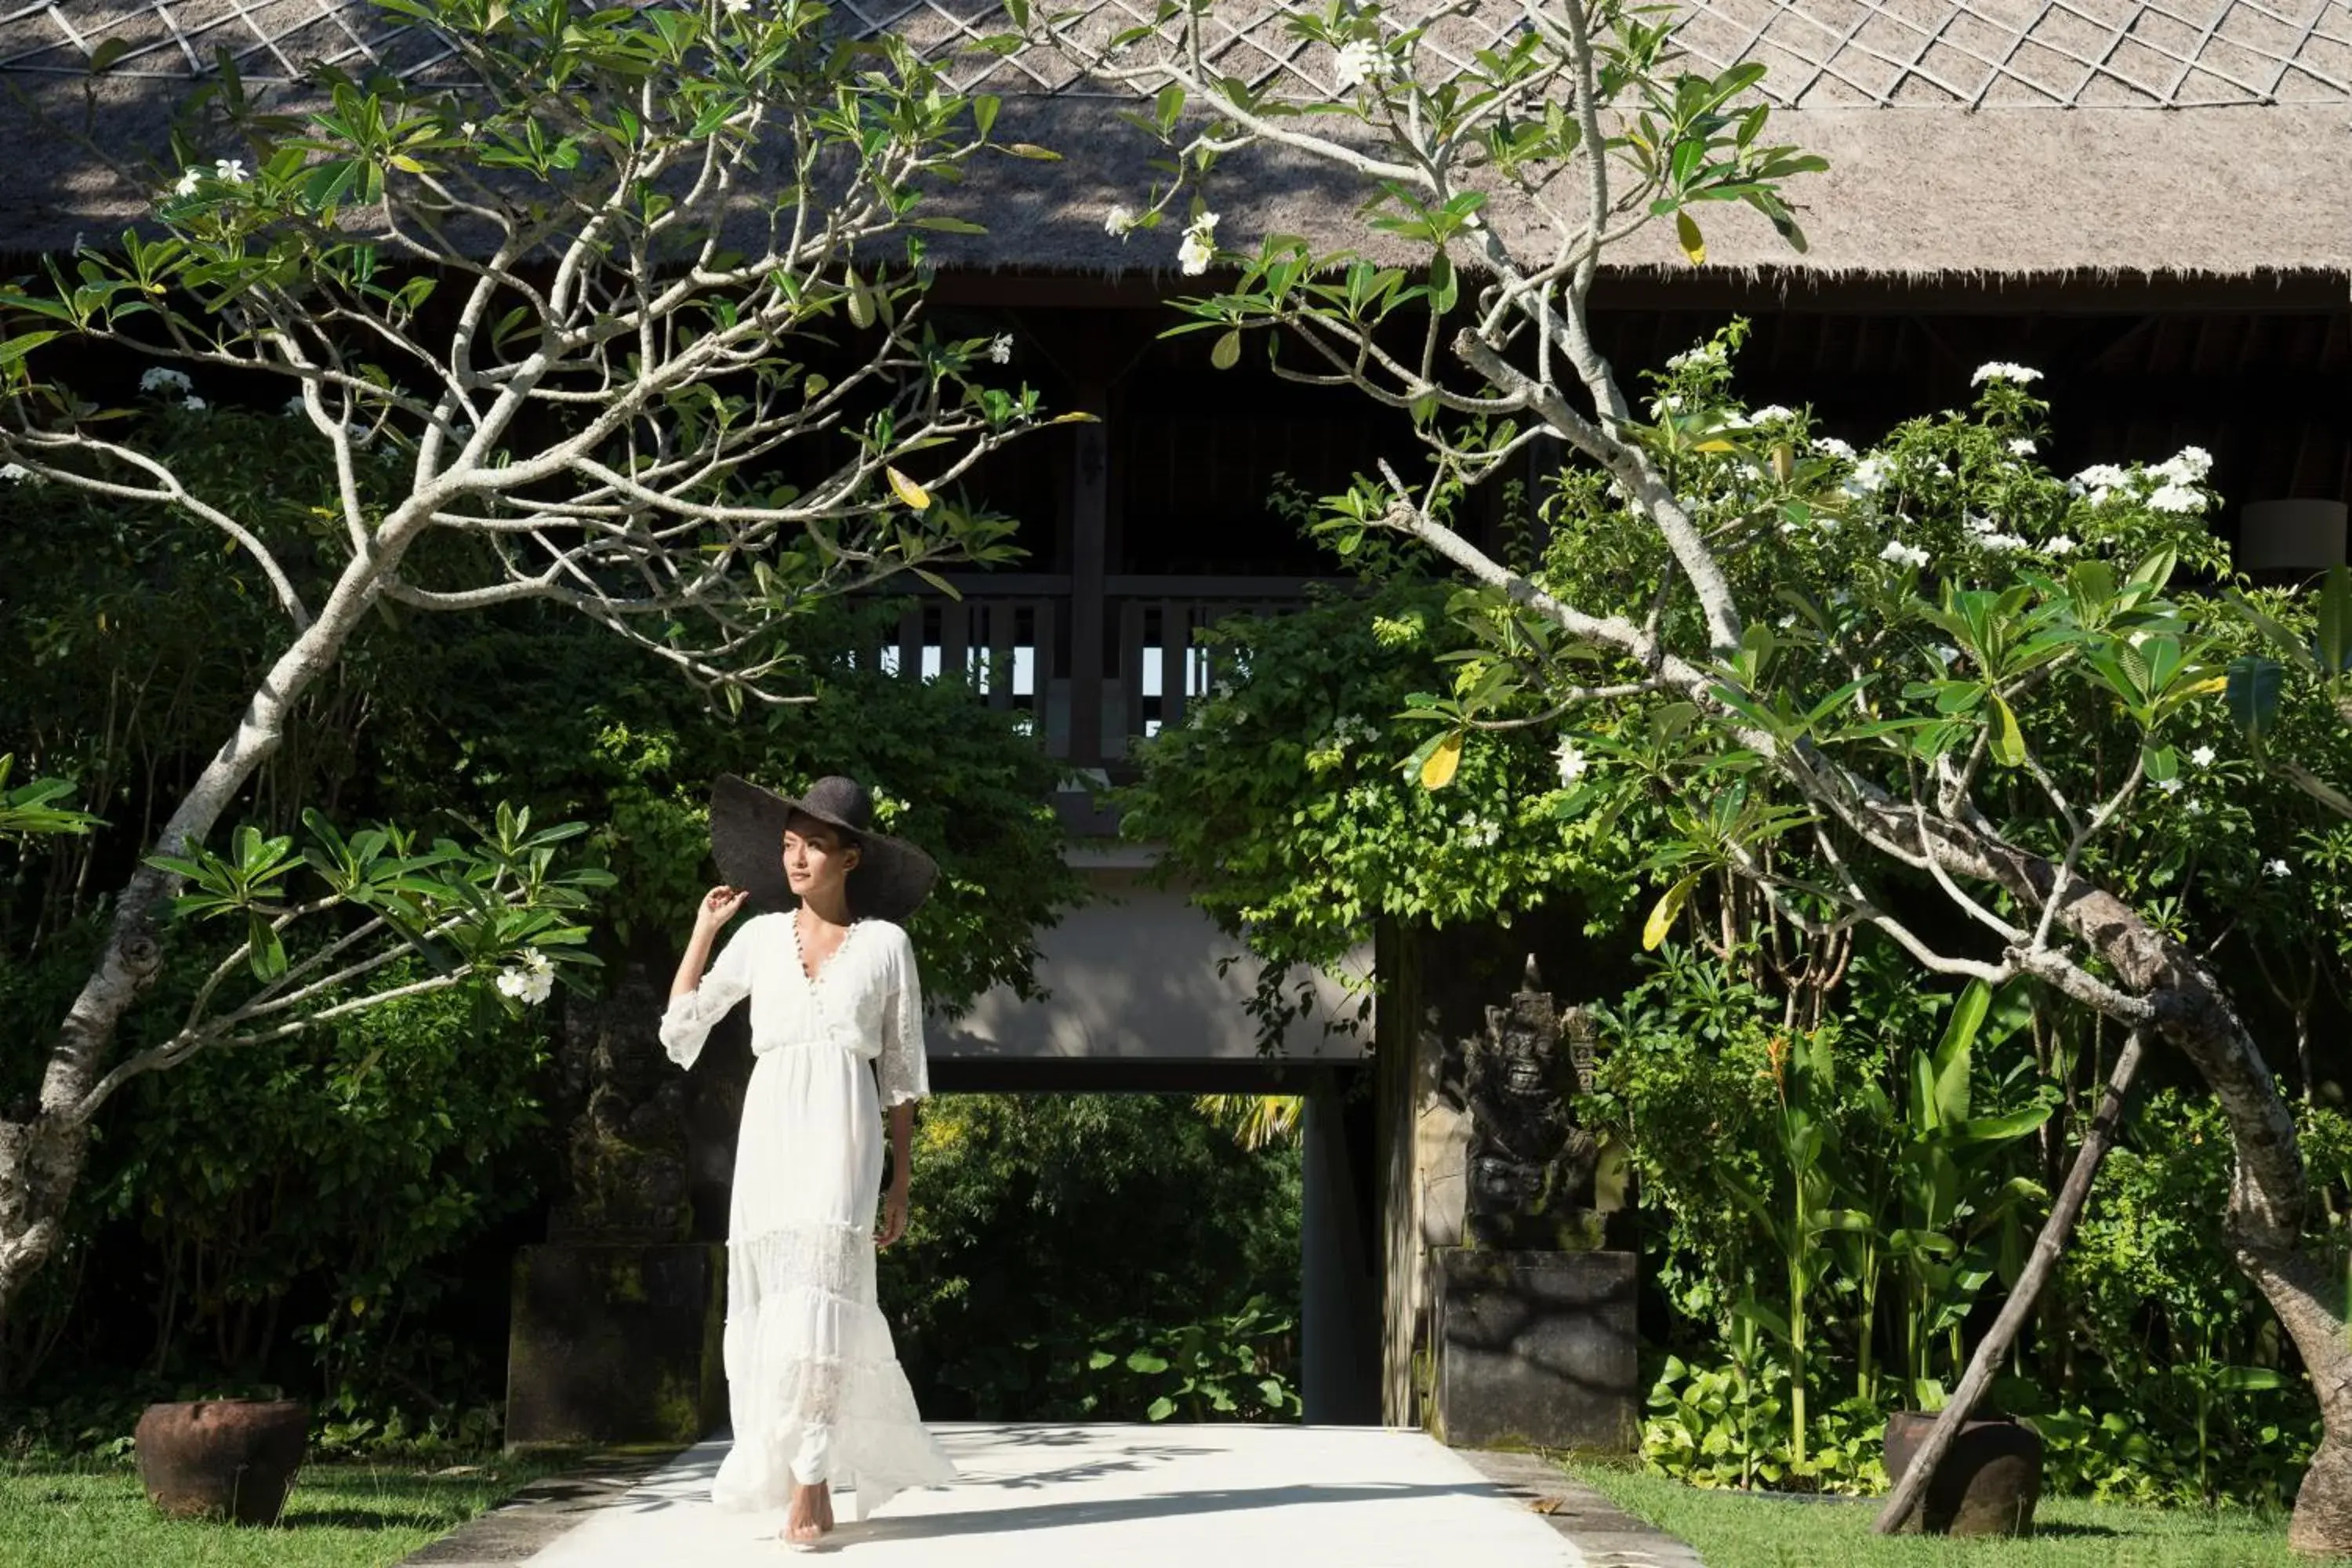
(2291, 535)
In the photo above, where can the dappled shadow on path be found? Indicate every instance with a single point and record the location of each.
(1121, 1510)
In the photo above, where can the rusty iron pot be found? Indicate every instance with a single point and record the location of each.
(222, 1458)
(1989, 1482)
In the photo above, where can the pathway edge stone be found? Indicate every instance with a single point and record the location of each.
(1603, 1534)
(528, 1522)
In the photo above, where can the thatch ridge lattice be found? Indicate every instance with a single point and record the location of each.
(1824, 54)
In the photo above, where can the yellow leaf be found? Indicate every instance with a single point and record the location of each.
(1784, 462)
(406, 164)
(1694, 243)
(1718, 445)
(1438, 771)
(2212, 688)
(1662, 919)
(2008, 740)
(916, 497)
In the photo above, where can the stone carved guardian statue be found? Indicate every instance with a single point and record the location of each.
(1530, 1167)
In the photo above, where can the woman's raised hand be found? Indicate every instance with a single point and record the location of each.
(718, 907)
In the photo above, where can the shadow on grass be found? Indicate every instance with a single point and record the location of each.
(2060, 1530)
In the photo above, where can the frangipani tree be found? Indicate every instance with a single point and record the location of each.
(620, 309)
(1846, 698)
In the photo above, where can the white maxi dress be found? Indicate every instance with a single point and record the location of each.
(812, 1380)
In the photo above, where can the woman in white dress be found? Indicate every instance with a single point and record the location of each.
(813, 1383)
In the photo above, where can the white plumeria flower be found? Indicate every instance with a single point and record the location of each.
(1360, 63)
(468, 129)
(189, 179)
(1869, 475)
(1704, 354)
(194, 405)
(2001, 543)
(1834, 446)
(1572, 761)
(2170, 786)
(2188, 465)
(2202, 756)
(2022, 447)
(163, 378)
(229, 170)
(1199, 247)
(1117, 221)
(2058, 544)
(736, 8)
(294, 408)
(1976, 524)
(15, 473)
(2177, 498)
(2277, 868)
(530, 981)
(1902, 554)
(2002, 370)
(1770, 412)
(2193, 807)
(1000, 348)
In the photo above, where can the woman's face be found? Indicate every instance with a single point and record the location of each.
(816, 861)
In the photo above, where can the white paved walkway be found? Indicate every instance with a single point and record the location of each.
(1138, 1497)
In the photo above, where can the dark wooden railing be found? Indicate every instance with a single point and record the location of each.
(1016, 638)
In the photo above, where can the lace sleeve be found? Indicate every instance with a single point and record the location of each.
(687, 1023)
(901, 1071)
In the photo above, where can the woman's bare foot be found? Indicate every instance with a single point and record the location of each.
(810, 1517)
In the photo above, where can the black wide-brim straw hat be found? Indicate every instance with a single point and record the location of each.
(747, 838)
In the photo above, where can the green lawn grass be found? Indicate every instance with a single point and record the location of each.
(339, 1515)
(1732, 1530)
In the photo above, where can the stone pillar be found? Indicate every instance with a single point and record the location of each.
(617, 1342)
(618, 1320)
(1537, 1349)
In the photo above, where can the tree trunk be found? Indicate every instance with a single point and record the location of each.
(2038, 1267)
(2265, 1222)
(42, 1147)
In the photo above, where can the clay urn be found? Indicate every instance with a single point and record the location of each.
(222, 1458)
(1989, 1482)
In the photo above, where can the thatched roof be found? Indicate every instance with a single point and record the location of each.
(1992, 138)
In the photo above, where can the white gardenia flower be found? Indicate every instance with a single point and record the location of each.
(1572, 762)
(2058, 544)
(229, 170)
(1000, 348)
(1199, 246)
(2170, 786)
(2001, 370)
(2001, 543)
(163, 378)
(1902, 554)
(1359, 63)
(2022, 447)
(2177, 498)
(189, 179)
(1117, 221)
(2202, 756)
(1834, 446)
(2277, 868)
